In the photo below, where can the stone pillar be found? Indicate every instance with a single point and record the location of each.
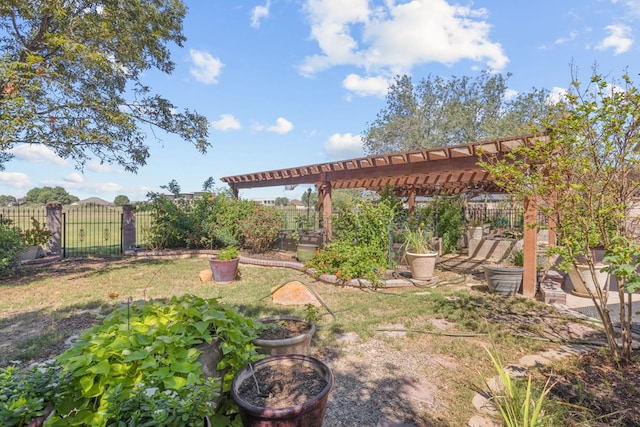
(128, 228)
(54, 225)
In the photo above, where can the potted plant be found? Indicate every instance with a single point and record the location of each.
(283, 390)
(284, 334)
(506, 278)
(419, 253)
(33, 239)
(224, 266)
(305, 250)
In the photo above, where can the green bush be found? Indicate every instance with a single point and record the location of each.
(10, 247)
(140, 366)
(360, 243)
(261, 228)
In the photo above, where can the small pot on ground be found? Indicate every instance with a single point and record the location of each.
(305, 251)
(224, 266)
(504, 281)
(284, 335)
(283, 390)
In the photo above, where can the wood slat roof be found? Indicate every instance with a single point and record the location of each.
(451, 170)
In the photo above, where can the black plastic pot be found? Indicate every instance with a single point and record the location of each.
(307, 414)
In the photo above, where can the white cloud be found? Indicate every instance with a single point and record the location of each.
(226, 122)
(620, 39)
(206, 68)
(557, 94)
(98, 167)
(344, 146)
(281, 127)
(259, 13)
(510, 94)
(17, 180)
(366, 86)
(37, 153)
(395, 37)
(74, 178)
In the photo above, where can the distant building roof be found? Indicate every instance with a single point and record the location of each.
(94, 201)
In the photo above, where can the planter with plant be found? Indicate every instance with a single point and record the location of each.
(224, 266)
(284, 334)
(33, 239)
(506, 278)
(142, 366)
(419, 252)
(283, 390)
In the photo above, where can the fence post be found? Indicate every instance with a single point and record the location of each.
(54, 225)
(128, 227)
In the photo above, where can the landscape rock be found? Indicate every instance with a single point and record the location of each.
(294, 293)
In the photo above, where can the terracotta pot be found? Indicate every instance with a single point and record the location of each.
(306, 414)
(422, 266)
(504, 281)
(299, 344)
(224, 271)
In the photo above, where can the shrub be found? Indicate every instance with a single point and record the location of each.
(360, 245)
(261, 228)
(10, 247)
(36, 236)
(141, 364)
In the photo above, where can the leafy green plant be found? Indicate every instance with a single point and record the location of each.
(147, 352)
(261, 228)
(227, 254)
(519, 406)
(10, 247)
(38, 235)
(27, 392)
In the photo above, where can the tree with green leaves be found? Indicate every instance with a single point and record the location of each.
(585, 177)
(44, 195)
(7, 200)
(281, 201)
(71, 78)
(121, 200)
(439, 112)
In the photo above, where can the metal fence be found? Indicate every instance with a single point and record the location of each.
(91, 231)
(22, 217)
(500, 217)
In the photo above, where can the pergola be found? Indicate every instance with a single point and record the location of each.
(443, 170)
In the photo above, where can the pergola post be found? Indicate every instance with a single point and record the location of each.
(411, 202)
(324, 207)
(530, 248)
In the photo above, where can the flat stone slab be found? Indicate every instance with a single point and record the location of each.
(294, 293)
(424, 391)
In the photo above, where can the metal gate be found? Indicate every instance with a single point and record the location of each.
(91, 230)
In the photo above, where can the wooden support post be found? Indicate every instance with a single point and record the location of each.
(412, 200)
(530, 249)
(324, 207)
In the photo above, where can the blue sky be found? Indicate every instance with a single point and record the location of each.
(287, 83)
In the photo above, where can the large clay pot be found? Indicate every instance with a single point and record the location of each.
(504, 281)
(309, 413)
(422, 266)
(299, 344)
(224, 271)
(581, 279)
